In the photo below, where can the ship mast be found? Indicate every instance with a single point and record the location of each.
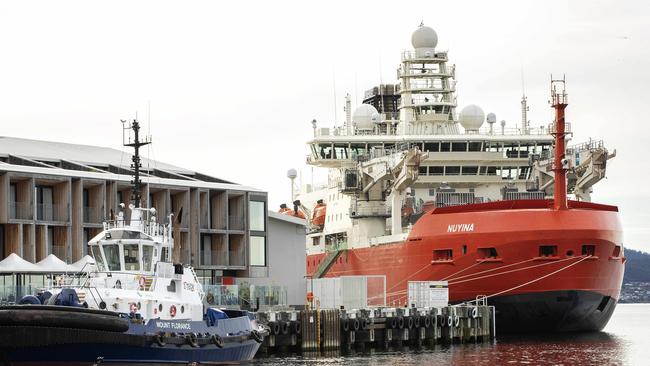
(136, 164)
(559, 102)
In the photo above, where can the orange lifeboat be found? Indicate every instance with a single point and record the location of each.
(320, 210)
(285, 210)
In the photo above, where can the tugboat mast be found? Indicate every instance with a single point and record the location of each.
(136, 164)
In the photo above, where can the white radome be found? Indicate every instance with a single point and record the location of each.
(471, 117)
(292, 173)
(491, 118)
(424, 37)
(365, 116)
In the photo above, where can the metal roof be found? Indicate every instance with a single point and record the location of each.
(54, 154)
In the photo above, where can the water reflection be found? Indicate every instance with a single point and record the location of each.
(569, 349)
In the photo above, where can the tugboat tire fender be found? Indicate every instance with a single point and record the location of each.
(256, 336)
(192, 340)
(218, 341)
(159, 339)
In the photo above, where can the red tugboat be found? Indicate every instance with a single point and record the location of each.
(547, 263)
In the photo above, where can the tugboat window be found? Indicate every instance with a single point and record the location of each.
(147, 251)
(97, 254)
(163, 254)
(112, 252)
(131, 257)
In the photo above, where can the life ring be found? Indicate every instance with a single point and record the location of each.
(142, 282)
(133, 307)
(159, 339)
(192, 340)
(217, 340)
(474, 313)
(256, 336)
(172, 311)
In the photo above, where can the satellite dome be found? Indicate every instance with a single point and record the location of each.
(491, 118)
(364, 117)
(471, 117)
(292, 173)
(424, 37)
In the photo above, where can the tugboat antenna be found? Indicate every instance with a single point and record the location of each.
(136, 163)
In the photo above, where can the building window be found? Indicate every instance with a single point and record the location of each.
(258, 251)
(256, 212)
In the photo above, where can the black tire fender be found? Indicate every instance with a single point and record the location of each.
(218, 341)
(255, 335)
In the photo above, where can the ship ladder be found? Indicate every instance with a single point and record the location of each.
(327, 263)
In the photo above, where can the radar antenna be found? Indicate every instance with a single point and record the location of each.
(135, 142)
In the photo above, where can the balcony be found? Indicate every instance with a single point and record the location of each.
(52, 212)
(93, 215)
(21, 211)
(235, 223)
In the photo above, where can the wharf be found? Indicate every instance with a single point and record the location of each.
(309, 331)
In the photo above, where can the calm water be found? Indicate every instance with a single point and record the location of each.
(625, 341)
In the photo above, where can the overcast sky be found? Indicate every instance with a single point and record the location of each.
(233, 85)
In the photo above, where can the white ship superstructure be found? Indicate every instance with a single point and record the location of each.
(459, 159)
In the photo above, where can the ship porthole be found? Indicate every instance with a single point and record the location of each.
(569, 253)
(182, 309)
(160, 307)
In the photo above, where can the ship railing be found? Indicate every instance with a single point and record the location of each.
(590, 145)
(412, 55)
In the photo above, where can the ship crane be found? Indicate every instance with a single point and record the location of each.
(587, 165)
(375, 180)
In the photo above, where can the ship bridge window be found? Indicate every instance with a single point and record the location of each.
(97, 254)
(131, 257)
(491, 170)
(459, 146)
(475, 146)
(147, 256)
(507, 172)
(436, 170)
(325, 151)
(432, 146)
(128, 234)
(112, 253)
(493, 147)
(523, 172)
(341, 152)
(452, 170)
(358, 150)
(470, 170)
(423, 170)
(511, 151)
(445, 146)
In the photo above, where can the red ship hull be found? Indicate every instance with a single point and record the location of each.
(543, 269)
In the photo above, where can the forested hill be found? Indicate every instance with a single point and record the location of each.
(637, 266)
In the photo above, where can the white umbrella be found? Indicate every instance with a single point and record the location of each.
(85, 264)
(52, 264)
(14, 264)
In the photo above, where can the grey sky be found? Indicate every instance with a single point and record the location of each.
(233, 85)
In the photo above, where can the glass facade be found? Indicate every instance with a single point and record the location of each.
(257, 251)
(257, 215)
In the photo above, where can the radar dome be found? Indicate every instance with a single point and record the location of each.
(365, 116)
(292, 173)
(471, 117)
(424, 37)
(491, 118)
